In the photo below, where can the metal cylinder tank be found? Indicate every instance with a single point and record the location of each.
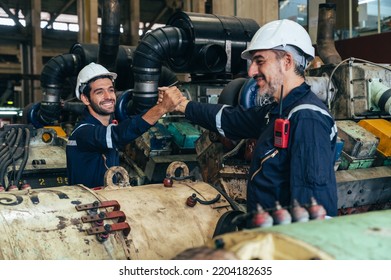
(74, 222)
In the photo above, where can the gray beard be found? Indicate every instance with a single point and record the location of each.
(264, 99)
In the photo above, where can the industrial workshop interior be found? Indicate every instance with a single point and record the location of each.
(180, 189)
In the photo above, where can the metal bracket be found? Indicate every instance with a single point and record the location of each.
(110, 228)
(105, 215)
(98, 204)
(102, 231)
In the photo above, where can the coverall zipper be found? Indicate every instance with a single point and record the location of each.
(272, 155)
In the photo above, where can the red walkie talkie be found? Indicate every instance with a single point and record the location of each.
(281, 128)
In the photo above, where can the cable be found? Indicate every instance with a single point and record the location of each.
(26, 155)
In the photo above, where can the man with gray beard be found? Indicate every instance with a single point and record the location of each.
(302, 166)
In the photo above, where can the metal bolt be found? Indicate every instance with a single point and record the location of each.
(107, 228)
(219, 243)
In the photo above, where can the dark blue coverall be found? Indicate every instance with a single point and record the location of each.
(92, 148)
(303, 170)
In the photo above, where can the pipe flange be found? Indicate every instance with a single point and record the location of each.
(177, 166)
(122, 179)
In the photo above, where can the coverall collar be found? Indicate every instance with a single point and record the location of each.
(293, 96)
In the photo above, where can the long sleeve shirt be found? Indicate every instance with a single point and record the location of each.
(303, 170)
(92, 148)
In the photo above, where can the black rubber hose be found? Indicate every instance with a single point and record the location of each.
(156, 47)
(53, 77)
(11, 155)
(4, 145)
(25, 154)
(18, 151)
(8, 140)
(110, 34)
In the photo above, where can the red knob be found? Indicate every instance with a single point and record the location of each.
(167, 182)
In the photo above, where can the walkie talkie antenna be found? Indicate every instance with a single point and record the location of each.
(281, 95)
(281, 128)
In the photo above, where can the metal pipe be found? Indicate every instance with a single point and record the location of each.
(53, 77)
(109, 40)
(325, 37)
(156, 47)
(189, 43)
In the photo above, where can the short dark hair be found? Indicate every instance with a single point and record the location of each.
(87, 88)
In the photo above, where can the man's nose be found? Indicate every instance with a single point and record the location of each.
(108, 94)
(252, 70)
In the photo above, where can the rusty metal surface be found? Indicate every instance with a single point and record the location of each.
(59, 223)
(358, 142)
(234, 182)
(360, 187)
(351, 79)
(121, 174)
(209, 156)
(44, 224)
(177, 166)
(162, 225)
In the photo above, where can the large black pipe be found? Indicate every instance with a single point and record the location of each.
(59, 68)
(155, 48)
(190, 43)
(216, 42)
(110, 34)
(90, 53)
(53, 77)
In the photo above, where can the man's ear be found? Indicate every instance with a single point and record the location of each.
(288, 61)
(84, 99)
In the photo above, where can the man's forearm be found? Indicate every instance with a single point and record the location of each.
(154, 114)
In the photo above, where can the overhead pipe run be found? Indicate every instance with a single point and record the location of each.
(59, 68)
(156, 47)
(53, 77)
(190, 43)
(110, 34)
(215, 43)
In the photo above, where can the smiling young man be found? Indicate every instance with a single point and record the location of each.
(279, 53)
(94, 144)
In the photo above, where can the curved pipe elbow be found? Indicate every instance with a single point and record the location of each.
(156, 47)
(53, 77)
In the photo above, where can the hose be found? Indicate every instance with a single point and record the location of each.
(156, 47)
(26, 154)
(53, 77)
(110, 34)
(12, 155)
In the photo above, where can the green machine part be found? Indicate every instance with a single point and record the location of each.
(365, 236)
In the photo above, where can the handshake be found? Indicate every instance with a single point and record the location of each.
(172, 99)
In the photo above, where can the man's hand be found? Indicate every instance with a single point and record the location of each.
(169, 99)
(169, 96)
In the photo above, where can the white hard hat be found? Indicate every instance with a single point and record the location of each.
(281, 33)
(90, 72)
